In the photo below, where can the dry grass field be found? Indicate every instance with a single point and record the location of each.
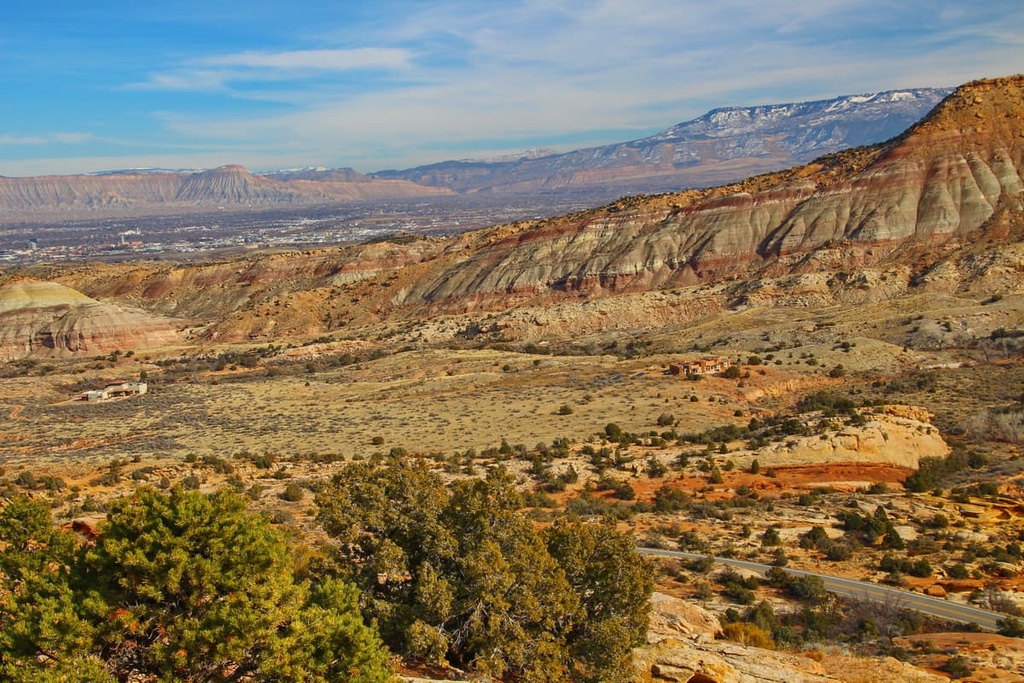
(307, 412)
(439, 399)
(422, 401)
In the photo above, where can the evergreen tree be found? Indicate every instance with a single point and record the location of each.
(78, 669)
(178, 587)
(191, 585)
(327, 642)
(614, 584)
(459, 576)
(40, 621)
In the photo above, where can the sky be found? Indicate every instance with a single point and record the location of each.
(380, 84)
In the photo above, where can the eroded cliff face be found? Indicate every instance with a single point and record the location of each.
(943, 181)
(22, 195)
(49, 320)
(261, 296)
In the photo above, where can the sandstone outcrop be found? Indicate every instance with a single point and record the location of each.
(682, 647)
(892, 435)
(702, 660)
(673, 618)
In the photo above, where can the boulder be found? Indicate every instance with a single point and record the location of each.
(672, 617)
(698, 659)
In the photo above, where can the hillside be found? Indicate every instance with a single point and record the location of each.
(868, 304)
(922, 200)
(936, 210)
(49, 320)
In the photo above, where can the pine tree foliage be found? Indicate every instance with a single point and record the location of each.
(40, 622)
(191, 585)
(178, 586)
(456, 575)
(614, 585)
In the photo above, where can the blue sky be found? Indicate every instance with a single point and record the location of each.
(111, 84)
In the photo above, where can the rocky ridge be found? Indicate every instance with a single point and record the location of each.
(948, 184)
(683, 646)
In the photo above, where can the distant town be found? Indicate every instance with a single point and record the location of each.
(193, 234)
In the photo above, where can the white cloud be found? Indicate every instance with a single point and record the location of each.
(185, 79)
(72, 138)
(22, 140)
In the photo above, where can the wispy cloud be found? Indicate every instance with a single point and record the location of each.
(215, 72)
(50, 138)
(328, 60)
(531, 72)
(184, 79)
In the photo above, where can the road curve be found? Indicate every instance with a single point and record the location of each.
(862, 590)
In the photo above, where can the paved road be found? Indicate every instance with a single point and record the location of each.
(863, 590)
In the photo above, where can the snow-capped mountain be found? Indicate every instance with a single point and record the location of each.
(720, 146)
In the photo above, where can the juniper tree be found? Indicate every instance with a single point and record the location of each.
(40, 620)
(178, 586)
(457, 575)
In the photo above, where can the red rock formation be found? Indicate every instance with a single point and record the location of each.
(48, 319)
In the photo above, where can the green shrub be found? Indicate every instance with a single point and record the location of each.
(1011, 627)
(771, 537)
(293, 493)
(731, 372)
(958, 666)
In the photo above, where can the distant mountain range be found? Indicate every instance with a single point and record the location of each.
(142, 192)
(722, 146)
